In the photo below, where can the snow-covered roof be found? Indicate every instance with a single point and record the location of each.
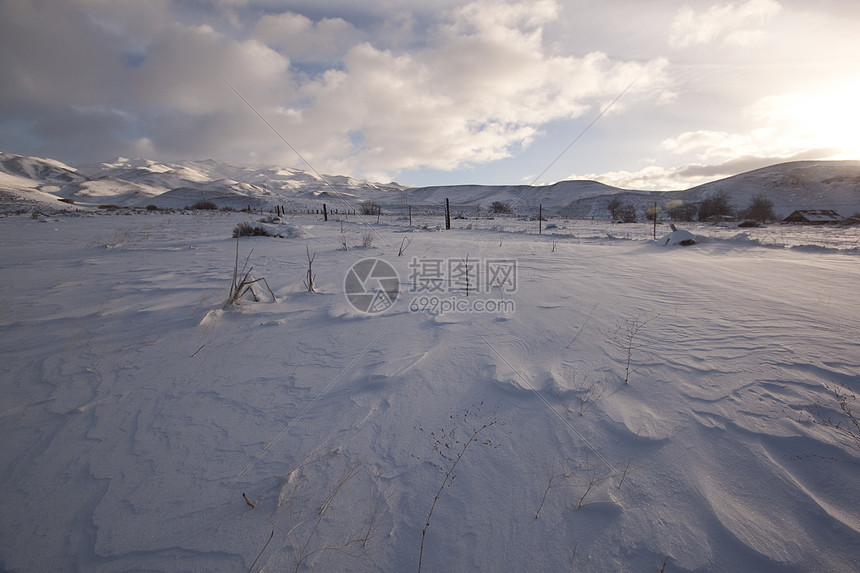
(815, 216)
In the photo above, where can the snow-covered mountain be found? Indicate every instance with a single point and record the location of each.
(142, 182)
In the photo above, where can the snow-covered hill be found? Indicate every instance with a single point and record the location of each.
(796, 185)
(141, 182)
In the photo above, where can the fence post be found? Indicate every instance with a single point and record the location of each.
(447, 215)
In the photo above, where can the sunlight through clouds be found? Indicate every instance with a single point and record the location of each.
(477, 91)
(691, 28)
(816, 118)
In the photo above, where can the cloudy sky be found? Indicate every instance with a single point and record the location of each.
(663, 94)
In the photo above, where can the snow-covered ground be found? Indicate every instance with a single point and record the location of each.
(147, 426)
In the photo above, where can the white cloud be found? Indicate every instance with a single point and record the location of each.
(477, 86)
(300, 38)
(711, 145)
(498, 21)
(781, 126)
(478, 94)
(745, 38)
(692, 28)
(688, 175)
(186, 67)
(817, 124)
(648, 178)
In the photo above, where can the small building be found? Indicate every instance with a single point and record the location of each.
(814, 217)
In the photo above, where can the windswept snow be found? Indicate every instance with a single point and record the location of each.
(148, 426)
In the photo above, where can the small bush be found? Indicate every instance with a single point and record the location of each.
(369, 208)
(500, 208)
(248, 230)
(152, 207)
(627, 213)
(204, 206)
(242, 284)
(110, 207)
(760, 209)
(716, 207)
(367, 239)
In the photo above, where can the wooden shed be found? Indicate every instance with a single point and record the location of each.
(814, 217)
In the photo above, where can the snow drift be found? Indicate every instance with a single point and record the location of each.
(147, 428)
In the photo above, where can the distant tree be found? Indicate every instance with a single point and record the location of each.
(759, 209)
(716, 206)
(369, 208)
(614, 207)
(204, 205)
(626, 213)
(683, 212)
(651, 213)
(500, 208)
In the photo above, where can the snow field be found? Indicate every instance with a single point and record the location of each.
(137, 409)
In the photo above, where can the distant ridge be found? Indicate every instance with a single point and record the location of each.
(142, 182)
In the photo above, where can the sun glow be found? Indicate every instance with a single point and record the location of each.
(826, 120)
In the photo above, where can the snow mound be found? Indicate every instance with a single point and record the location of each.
(275, 228)
(679, 237)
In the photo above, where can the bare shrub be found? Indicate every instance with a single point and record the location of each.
(579, 478)
(594, 474)
(499, 208)
(310, 277)
(367, 239)
(842, 420)
(589, 393)
(204, 206)
(625, 338)
(623, 475)
(449, 447)
(760, 209)
(306, 511)
(369, 208)
(404, 244)
(119, 237)
(627, 213)
(716, 207)
(243, 283)
(246, 229)
(556, 477)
